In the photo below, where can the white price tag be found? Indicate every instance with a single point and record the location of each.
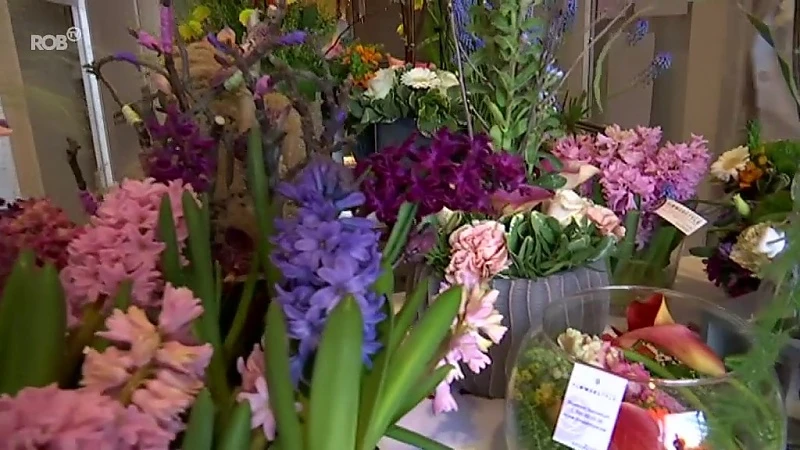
(681, 217)
(589, 410)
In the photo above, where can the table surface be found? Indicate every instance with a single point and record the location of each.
(479, 424)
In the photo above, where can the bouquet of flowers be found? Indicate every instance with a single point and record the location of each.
(638, 174)
(120, 333)
(746, 237)
(673, 384)
(400, 91)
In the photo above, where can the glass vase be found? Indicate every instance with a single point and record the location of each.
(683, 412)
(641, 271)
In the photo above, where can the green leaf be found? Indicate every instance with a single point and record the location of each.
(495, 112)
(278, 374)
(257, 184)
(412, 359)
(16, 287)
(772, 204)
(397, 239)
(237, 435)
(408, 313)
(242, 311)
(703, 252)
(170, 258)
(34, 343)
(200, 430)
(423, 389)
(336, 385)
(414, 439)
(202, 269)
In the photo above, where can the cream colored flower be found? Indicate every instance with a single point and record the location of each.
(447, 79)
(381, 84)
(567, 206)
(421, 78)
(728, 165)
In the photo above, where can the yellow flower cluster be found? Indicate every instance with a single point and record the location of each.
(194, 27)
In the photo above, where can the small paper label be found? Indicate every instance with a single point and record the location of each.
(681, 217)
(589, 410)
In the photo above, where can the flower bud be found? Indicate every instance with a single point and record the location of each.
(741, 205)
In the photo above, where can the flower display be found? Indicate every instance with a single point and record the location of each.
(668, 368)
(37, 225)
(747, 233)
(120, 244)
(324, 256)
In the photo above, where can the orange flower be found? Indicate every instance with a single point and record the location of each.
(368, 55)
(749, 175)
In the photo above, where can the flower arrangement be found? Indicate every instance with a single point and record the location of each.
(746, 236)
(658, 358)
(404, 91)
(125, 329)
(637, 175)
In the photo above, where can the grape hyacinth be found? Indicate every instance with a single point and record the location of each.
(638, 31)
(157, 368)
(52, 418)
(660, 64)
(180, 151)
(37, 225)
(452, 171)
(325, 255)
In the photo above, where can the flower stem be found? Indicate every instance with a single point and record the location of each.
(78, 340)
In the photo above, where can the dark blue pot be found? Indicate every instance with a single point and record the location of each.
(379, 136)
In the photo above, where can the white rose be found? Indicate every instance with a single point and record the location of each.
(447, 80)
(381, 84)
(772, 242)
(421, 78)
(730, 163)
(567, 206)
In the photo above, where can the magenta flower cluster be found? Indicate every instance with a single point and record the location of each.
(120, 244)
(637, 168)
(452, 171)
(157, 368)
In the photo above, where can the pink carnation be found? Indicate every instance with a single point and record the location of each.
(478, 252)
(58, 419)
(120, 244)
(165, 365)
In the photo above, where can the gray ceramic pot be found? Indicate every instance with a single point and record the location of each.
(379, 136)
(522, 303)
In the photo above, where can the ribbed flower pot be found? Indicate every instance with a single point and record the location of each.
(522, 303)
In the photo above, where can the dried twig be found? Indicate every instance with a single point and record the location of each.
(72, 159)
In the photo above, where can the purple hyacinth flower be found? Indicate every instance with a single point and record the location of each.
(167, 28)
(129, 58)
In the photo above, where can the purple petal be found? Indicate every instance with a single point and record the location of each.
(167, 28)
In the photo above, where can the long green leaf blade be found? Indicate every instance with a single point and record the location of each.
(414, 439)
(259, 190)
(281, 397)
(170, 258)
(423, 389)
(335, 387)
(200, 431)
(413, 358)
(15, 288)
(408, 313)
(203, 267)
(399, 235)
(237, 435)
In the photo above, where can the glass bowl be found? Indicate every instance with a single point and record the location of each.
(678, 395)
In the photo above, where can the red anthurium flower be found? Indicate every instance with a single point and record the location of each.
(651, 312)
(679, 342)
(636, 429)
